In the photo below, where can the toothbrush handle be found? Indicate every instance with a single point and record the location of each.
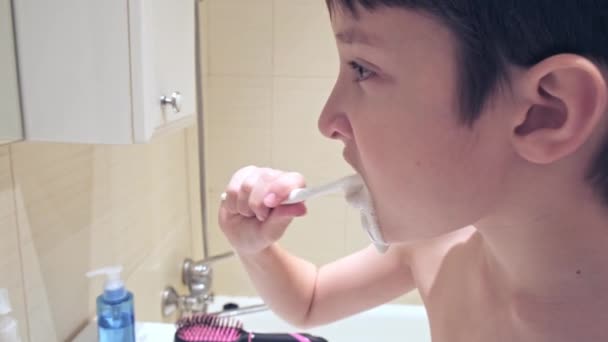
(295, 196)
(281, 338)
(302, 194)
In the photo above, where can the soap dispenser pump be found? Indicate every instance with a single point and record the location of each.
(115, 311)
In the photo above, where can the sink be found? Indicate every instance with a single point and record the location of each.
(145, 332)
(382, 323)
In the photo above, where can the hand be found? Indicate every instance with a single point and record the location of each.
(251, 216)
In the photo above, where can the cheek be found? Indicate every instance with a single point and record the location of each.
(427, 172)
(432, 176)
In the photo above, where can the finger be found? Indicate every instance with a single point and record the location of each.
(234, 187)
(241, 232)
(279, 190)
(247, 186)
(280, 218)
(256, 200)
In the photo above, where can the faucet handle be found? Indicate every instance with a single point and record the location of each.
(172, 302)
(169, 302)
(198, 271)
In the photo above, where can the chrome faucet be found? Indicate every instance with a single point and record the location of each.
(198, 277)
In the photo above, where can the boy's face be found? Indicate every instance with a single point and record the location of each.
(395, 108)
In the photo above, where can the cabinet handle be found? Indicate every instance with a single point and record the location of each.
(175, 101)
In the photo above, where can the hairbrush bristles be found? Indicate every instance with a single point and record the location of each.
(209, 328)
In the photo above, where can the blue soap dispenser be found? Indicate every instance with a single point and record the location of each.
(115, 312)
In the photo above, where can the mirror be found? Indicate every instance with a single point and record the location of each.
(10, 109)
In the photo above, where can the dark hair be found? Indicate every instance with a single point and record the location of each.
(493, 34)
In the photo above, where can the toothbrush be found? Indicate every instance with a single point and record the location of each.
(357, 196)
(302, 194)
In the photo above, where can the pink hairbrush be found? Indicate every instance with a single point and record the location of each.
(209, 328)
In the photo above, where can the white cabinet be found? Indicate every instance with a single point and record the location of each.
(94, 71)
(10, 113)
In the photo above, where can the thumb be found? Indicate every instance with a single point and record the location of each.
(280, 217)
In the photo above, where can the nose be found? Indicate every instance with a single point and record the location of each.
(334, 122)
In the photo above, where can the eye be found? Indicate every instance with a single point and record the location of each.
(361, 72)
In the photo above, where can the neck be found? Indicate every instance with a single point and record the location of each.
(551, 259)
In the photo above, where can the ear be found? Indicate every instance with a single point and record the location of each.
(565, 98)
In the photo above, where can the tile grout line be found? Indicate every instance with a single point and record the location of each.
(205, 26)
(208, 34)
(190, 187)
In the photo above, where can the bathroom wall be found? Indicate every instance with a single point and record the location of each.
(271, 65)
(66, 209)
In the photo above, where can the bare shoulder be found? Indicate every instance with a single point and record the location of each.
(442, 254)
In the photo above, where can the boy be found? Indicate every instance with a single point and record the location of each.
(485, 114)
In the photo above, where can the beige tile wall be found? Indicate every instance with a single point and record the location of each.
(272, 64)
(66, 209)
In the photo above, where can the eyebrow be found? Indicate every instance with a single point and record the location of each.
(355, 36)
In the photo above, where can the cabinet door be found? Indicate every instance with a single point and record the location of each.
(10, 113)
(74, 70)
(162, 61)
